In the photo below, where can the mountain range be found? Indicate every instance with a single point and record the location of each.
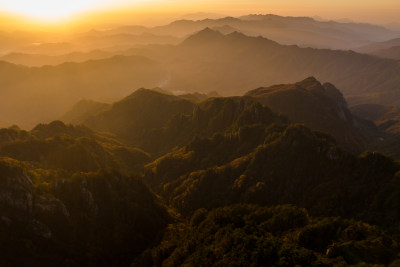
(34, 94)
(385, 49)
(195, 65)
(202, 59)
(321, 107)
(302, 31)
(250, 142)
(157, 179)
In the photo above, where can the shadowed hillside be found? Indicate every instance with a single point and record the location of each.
(51, 218)
(320, 107)
(288, 164)
(174, 120)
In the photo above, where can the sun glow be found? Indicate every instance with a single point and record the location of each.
(50, 9)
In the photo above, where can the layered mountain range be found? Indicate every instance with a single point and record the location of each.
(217, 171)
(206, 61)
(256, 144)
(303, 31)
(385, 49)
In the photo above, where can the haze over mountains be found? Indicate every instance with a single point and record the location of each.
(28, 97)
(208, 60)
(252, 141)
(302, 31)
(386, 49)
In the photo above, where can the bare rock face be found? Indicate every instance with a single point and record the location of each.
(15, 188)
(51, 205)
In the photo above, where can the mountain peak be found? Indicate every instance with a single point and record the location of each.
(309, 82)
(205, 35)
(320, 107)
(236, 34)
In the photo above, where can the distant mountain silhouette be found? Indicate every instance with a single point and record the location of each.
(386, 49)
(226, 29)
(33, 95)
(233, 64)
(118, 39)
(37, 60)
(52, 44)
(391, 52)
(370, 48)
(206, 61)
(204, 36)
(82, 110)
(301, 31)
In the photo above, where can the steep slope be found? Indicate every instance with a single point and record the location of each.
(54, 44)
(246, 63)
(137, 118)
(158, 122)
(320, 107)
(302, 31)
(82, 110)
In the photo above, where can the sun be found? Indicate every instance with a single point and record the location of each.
(49, 9)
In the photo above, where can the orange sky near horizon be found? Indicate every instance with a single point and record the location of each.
(118, 11)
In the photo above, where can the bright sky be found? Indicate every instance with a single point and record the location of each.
(375, 11)
(56, 9)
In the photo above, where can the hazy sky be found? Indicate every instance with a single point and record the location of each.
(375, 11)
